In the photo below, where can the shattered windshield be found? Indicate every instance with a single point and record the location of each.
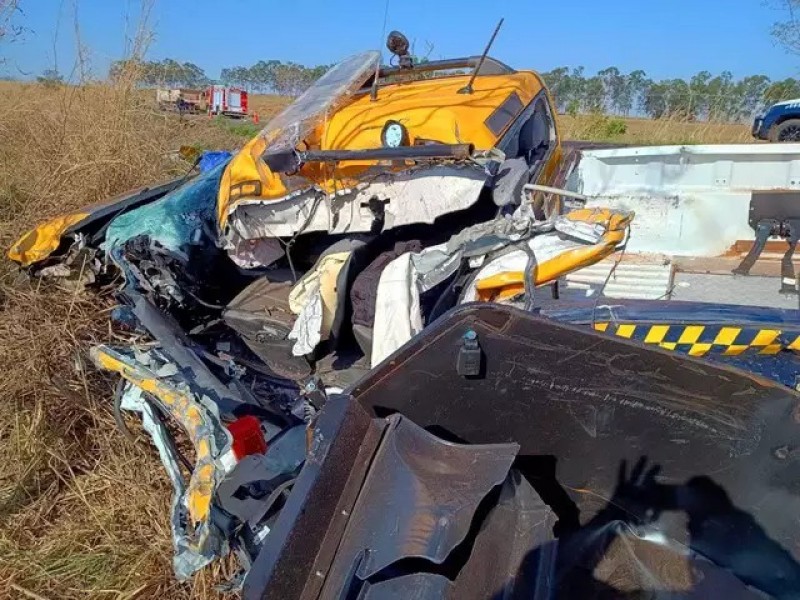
(293, 124)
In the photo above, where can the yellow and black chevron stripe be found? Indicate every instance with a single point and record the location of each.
(700, 340)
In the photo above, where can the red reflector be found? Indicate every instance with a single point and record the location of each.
(247, 437)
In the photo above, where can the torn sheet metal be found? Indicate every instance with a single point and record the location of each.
(177, 346)
(84, 228)
(511, 255)
(689, 200)
(513, 556)
(335, 114)
(431, 488)
(197, 540)
(416, 196)
(191, 553)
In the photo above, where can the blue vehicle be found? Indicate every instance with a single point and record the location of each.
(781, 122)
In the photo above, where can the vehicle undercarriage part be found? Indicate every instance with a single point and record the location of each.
(774, 213)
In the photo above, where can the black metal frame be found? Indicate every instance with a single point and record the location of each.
(289, 162)
(490, 66)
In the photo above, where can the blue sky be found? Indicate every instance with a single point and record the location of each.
(666, 38)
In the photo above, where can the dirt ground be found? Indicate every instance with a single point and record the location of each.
(83, 513)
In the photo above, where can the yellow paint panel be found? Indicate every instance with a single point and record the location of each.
(795, 345)
(735, 350)
(691, 334)
(656, 334)
(668, 345)
(564, 262)
(626, 331)
(42, 241)
(727, 336)
(203, 449)
(765, 337)
(429, 109)
(772, 349)
(193, 417)
(601, 326)
(699, 349)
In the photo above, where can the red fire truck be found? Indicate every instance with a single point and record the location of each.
(224, 100)
(216, 100)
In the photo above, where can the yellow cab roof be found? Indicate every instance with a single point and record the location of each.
(430, 109)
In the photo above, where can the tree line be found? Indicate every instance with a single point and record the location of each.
(274, 76)
(160, 73)
(270, 76)
(704, 96)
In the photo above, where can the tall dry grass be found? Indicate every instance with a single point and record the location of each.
(647, 132)
(83, 514)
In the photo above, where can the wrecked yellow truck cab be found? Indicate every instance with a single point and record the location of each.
(389, 147)
(377, 202)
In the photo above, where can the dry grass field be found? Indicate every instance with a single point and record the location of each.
(83, 513)
(648, 132)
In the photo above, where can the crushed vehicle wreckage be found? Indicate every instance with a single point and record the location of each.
(349, 231)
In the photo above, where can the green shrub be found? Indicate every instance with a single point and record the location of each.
(615, 127)
(573, 108)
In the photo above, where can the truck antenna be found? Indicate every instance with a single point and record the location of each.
(467, 89)
(373, 95)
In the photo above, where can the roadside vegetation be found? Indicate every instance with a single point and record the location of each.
(648, 132)
(83, 513)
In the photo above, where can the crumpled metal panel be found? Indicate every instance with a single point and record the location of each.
(513, 556)
(418, 499)
(196, 545)
(300, 547)
(689, 200)
(515, 552)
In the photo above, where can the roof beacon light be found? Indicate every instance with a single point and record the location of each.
(397, 44)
